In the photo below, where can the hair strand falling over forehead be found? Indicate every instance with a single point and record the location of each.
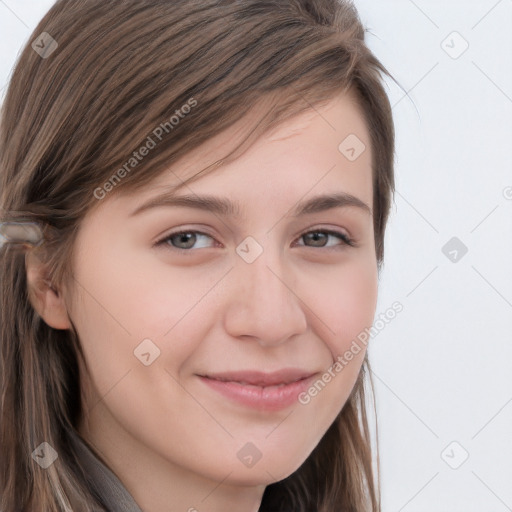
(118, 70)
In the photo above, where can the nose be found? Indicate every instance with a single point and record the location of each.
(264, 302)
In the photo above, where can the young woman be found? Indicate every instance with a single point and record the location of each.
(194, 197)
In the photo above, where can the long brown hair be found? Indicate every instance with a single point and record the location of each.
(113, 73)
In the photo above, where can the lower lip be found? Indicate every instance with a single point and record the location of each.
(269, 398)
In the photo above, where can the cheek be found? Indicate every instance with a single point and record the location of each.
(346, 303)
(127, 297)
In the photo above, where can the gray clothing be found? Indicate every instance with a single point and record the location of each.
(105, 483)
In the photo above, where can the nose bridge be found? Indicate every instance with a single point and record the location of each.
(264, 278)
(264, 306)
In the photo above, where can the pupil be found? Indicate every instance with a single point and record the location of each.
(182, 237)
(315, 238)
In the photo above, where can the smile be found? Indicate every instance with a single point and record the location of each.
(265, 392)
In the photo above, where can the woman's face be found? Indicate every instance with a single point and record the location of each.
(263, 289)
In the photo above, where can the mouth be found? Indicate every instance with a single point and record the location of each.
(263, 391)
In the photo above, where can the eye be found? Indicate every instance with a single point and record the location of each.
(321, 241)
(186, 240)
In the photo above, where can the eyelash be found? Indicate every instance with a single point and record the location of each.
(342, 236)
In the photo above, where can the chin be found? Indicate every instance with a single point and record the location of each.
(264, 472)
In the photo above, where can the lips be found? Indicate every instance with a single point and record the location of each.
(265, 392)
(262, 379)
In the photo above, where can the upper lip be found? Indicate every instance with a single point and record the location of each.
(257, 378)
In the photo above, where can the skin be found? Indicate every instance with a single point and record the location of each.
(171, 440)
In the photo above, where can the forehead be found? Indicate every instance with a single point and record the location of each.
(327, 131)
(303, 156)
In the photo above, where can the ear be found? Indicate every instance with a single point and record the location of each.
(47, 301)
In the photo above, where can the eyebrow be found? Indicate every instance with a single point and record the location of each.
(226, 207)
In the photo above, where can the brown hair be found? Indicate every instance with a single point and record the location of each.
(73, 116)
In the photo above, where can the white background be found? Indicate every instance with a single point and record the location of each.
(443, 366)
